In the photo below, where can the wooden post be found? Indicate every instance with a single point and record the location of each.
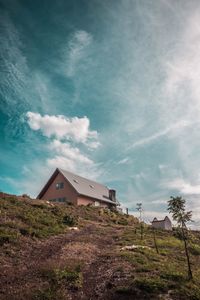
(155, 242)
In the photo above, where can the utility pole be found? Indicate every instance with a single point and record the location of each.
(140, 209)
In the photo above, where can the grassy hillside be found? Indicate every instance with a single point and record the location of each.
(41, 219)
(42, 258)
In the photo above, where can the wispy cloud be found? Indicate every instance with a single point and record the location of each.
(14, 69)
(123, 161)
(183, 68)
(180, 125)
(77, 50)
(37, 172)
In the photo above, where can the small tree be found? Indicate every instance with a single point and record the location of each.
(140, 209)
(176, 206)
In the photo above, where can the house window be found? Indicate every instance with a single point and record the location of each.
(59, 185)
(61, 199)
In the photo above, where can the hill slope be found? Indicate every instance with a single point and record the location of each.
(42, 258)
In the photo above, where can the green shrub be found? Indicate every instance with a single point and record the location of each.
(24, 231)
(7, 236)
(170, 242)
(47, 294)
(123, 290)
(57, 277)
(194, 249)
(50, 293)
(69, 221)
(151, 285)
(122, 222)
(40, 205)
(14, 201)
(144, 268)
(56, 211)
(189, 291)
(173, 276)
(178, 233)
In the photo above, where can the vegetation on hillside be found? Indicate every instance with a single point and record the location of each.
(176, 206)
(41, 258)
(41, 219)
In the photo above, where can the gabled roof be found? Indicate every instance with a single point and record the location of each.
(155, 220)
(82, 186)
(158, 221)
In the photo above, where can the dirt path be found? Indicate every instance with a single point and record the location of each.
(21, 272)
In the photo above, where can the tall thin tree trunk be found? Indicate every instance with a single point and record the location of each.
(187, 255)
(141, 230)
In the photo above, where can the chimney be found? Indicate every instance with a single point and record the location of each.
(112, 195)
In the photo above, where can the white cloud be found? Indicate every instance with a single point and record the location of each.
(64, 154)
(77, 50)
(71, 153)
(62, 162)
(61, 127)
(184, 187)
(91, 170)
(71, 159)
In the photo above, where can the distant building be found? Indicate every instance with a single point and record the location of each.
(162, 224)
(64, 186)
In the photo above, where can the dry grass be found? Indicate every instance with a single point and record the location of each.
(56, 263)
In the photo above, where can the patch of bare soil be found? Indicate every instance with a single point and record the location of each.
(103, 276)
(20, 270)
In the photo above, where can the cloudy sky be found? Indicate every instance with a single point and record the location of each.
(106, 89)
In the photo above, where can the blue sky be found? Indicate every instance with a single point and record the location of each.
(106, 89)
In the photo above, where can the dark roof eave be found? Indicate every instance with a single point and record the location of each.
(106, 201)
(162, 221)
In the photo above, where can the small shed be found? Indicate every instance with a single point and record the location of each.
(162, 224)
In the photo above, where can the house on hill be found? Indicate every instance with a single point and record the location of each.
(162, 224)
(64, 186)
